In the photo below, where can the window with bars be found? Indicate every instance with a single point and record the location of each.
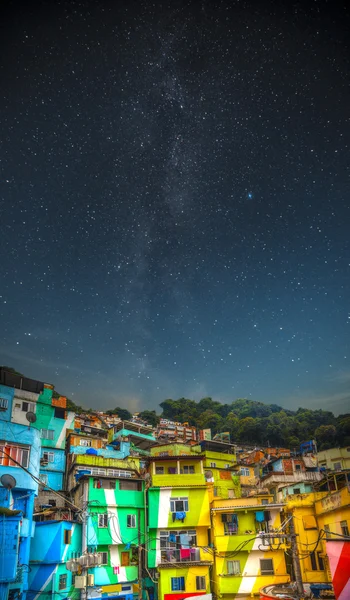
(62, 582)
(47, 434)
(13, 452)
(134, 486)
(4, 403)
(103, 520)
(28, 407)
(201, 583)
(233, 567)
(96, 471)
(179, 504)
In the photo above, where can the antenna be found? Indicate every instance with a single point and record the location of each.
(31, 417)
(7, 481)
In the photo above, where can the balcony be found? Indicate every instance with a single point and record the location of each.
(276, 477)
(178, 480)
(170, 556)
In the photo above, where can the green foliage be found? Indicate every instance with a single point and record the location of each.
(122, 413)
(150, 416)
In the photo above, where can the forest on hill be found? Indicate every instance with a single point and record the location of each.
(247, 421)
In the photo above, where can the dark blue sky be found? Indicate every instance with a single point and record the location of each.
(175, 201)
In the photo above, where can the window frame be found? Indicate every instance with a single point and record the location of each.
(201, 583)
(48, 456)
(47, 434)
(14, 452)
(183, 499)
(344, 528)
(102, 518)
(187, 470)
(104, 552)
(266, 571)
(67, 536)
(244, 471)
(159, 470)
(4, 403)
(232, 564)
(62, 576)
(85, 443)
(177, 584)
(131, 518)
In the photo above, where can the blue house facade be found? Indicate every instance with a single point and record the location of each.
(20, 458)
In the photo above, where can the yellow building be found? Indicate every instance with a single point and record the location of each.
(246, 559)
(335, 459)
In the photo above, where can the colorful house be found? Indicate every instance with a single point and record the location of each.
(106, 483)
(247, 555)
(19, 461)
(279, 472)
(179, 544)
(54, 543)
(335, 459)
(220, 468)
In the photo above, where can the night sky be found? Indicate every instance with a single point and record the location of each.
(175, 210)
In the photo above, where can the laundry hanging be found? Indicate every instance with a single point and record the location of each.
(172, 537)
(180, 515)
(185, 540)
(259, 516)
(185, 553)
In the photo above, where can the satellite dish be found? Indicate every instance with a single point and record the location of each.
(8, 481)
(31, 417)
(208, 474)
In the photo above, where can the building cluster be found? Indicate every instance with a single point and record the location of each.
(94, 507)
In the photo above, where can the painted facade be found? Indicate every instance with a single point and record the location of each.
(54, 543)
(244, 563)
(17, 530)
(179, 543)
(335, 459)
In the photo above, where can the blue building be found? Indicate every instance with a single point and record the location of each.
(20, 458)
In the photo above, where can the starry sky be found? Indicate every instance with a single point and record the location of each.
(175, 208)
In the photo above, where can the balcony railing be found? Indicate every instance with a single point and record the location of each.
(186, 555)
(279, 476)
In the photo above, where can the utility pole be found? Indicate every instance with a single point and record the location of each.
(296, 560)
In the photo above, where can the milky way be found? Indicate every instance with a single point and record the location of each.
(175, 201)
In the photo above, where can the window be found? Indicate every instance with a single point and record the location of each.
(67, 536)
(188, 469)
(59, 413)
(213, 465)
(227, 466)
(171, 538)
(48, 457)
(296, 491)
(4, 403)
(215, 491)
(201, 584)
(104, 484)
(264, 501)
(103, 520)
(244, 471)
(313, 561)
(20, 454)
(131, 521)
(52, 502)
(230, 528)
(178, 504)
(233, 567)
(62, 582)
(177, 584)
(86, 443)
(320, 561)
(96, 471)
(337, 466)
(43, 478)
(159, 470)
(344, 528)
(134, 486)
(298, 467)
(327, 532)
(47, 434)
(28, 407)
(118, 473)
(125, 559)
(266, 566)
(103, 558)
(309, 522)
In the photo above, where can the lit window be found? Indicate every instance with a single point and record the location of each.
(86, 443)
(103, 520)
(131, 521)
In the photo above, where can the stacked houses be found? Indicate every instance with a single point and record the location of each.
(93, 507)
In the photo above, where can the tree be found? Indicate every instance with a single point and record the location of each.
(325, 436)
(150, 416)
(122, 413)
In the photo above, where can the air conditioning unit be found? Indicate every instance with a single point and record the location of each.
(80, 582)
(90, 579)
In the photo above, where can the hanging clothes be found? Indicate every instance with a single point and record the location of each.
(260, 516)
(185, 553)
(185, 540)
(267, 516)
(224, 518)
(172, 537)
(174, 516)
(235, 519)
(180, 515)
